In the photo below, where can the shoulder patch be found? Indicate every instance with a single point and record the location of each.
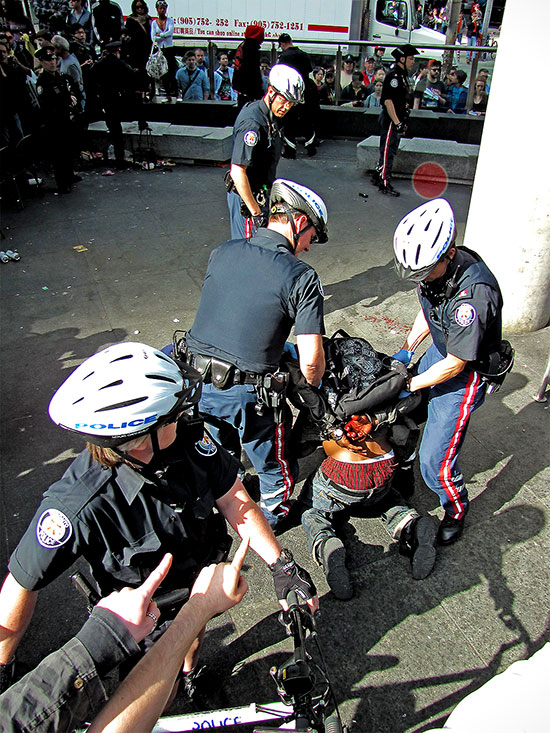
(206, 446)
(250, 138)
(464, 293)
(465, 314)
(394, 83)
(53, 529)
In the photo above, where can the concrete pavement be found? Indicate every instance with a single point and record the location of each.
(122, 258)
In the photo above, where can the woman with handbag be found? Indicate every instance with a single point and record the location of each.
(162, 34)
(138, 27)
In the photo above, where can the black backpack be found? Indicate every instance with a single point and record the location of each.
(358, 380)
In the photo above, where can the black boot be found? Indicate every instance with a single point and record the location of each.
(417, 542)
(403, 480)
(450, 529)
(331, 554)
(388, 189)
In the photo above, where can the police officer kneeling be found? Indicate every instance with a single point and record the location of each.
(254, 291)
(148, 484)
(460, 308)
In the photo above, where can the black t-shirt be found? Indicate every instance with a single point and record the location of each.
(257, 144)
(297, 59)
(122, 524)
(254, 291)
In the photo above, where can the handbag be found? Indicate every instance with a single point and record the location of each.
(157, 65)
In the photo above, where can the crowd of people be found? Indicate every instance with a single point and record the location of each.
(86, 64)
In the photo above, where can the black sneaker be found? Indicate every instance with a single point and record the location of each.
(311, 150)
(423, 553)
(375, 177)
(289, 153)
(387, 188)
(450, 529)
(332, 556)
(203, 689)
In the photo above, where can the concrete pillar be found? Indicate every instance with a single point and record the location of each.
(509, 219)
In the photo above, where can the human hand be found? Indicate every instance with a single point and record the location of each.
(222, 586)
(287, 576)
(134, 606)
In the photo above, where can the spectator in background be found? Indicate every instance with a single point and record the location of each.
(67, 61)
(138, 27)
(354, 94)
(265, 67)
(326, 92)
(459, 33)
(472, 34)
(430, 92)
(247, 79)
(379, 52)
(420, 74)
(223, 80)
(457, 93)
(12, 86)
(79, 13)
(479, 101)
(373, 100)
(379, 75)
(369, 71)
(162, 33)
(348, 67)
(484, 74)
(15, 19)
(201, 60)
(318, 76)
(107, 21)
(192, 82)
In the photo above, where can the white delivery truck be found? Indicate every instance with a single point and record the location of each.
(385, 22)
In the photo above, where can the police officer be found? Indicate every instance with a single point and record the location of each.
(460, 307)
(59, 98)
(300, 120)
(257, 149)
(254, 291)
(395, 102)
(115, 84)
(147, 484)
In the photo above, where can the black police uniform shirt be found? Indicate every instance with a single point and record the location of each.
(122, 524)
(54, 95)
(468, 324)
(254, 291)
(257, 144)
(395, 87)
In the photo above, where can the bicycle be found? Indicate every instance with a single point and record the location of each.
(301, 707)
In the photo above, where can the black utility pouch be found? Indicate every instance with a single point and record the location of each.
(222, 374)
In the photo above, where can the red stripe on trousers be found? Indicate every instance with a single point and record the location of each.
(283, 463)
(463, 416)
(385, 157)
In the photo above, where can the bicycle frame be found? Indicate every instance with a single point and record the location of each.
(299, 708)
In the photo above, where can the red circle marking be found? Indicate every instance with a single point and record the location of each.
(429, 180)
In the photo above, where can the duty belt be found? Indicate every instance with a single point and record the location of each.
(221, 373)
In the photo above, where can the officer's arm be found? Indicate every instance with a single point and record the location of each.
(439, 372)
(247, 519)
(418, 333)
(242, 184)
(390, 108)
(312, 357)
(16, 610)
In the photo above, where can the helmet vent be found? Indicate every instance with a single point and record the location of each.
(427, 225)
(410, 230)
(121, 358)
(118, 405)
(418, 250)
(439, 232)
(113, 384)
(161, 377)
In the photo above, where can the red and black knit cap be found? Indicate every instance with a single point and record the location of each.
(256, 32)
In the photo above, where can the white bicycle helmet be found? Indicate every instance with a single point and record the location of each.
(123, 392)
(287, 82)
(421, 239)
(288, 195)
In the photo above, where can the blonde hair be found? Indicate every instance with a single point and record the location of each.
(110, 458)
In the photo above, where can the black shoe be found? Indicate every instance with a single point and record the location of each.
(388, 189)
(289, 153)
(311, 150)
(251, 482)
(203, 689)
(375, 177)
(418, 542)
(332, 556)
(450, 529)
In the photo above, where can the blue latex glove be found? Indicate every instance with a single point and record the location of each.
(403, 356)
(289, 348)
(404, 393)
